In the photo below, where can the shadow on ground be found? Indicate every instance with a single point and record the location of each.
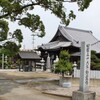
(6, 86)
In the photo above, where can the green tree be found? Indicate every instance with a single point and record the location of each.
(64, 64)
(22, 11)
(10, 49)
(95, 61)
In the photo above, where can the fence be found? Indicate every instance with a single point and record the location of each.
(93, 73)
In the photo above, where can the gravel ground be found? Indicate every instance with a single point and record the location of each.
(69, 91)
(54, 88)
(11, 89)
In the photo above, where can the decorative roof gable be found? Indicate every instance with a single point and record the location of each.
(75, 35)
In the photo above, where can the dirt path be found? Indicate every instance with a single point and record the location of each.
(24, 93)
(11, 87)
(11, 90)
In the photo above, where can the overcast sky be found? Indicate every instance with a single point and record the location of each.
(87, 20)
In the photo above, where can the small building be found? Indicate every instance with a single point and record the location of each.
(28, 60)
(68, 39)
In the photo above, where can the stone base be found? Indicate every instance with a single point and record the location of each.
(48, 70)
(66, 84)
(78, 95)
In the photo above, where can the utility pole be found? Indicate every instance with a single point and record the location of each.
(33, 42)
(2, 61)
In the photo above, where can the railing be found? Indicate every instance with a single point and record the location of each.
(93, 73)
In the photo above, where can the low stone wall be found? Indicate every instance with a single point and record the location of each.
(75, 81)
(95, 74)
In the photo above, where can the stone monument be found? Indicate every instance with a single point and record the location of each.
(48, 64)
(83, 93)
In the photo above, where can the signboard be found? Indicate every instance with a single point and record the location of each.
(85, 67)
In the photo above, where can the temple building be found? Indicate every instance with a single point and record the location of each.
(68, 39)
(28, 60)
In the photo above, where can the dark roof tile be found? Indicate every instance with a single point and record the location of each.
(28, 55)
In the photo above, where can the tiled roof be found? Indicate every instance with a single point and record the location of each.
(77, 35)
(55, 45)
(29, 55)
(74, 37)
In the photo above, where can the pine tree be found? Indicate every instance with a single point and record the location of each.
(64, 64)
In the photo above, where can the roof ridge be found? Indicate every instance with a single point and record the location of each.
(69, 35)
(89, 31)
(95, 43)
